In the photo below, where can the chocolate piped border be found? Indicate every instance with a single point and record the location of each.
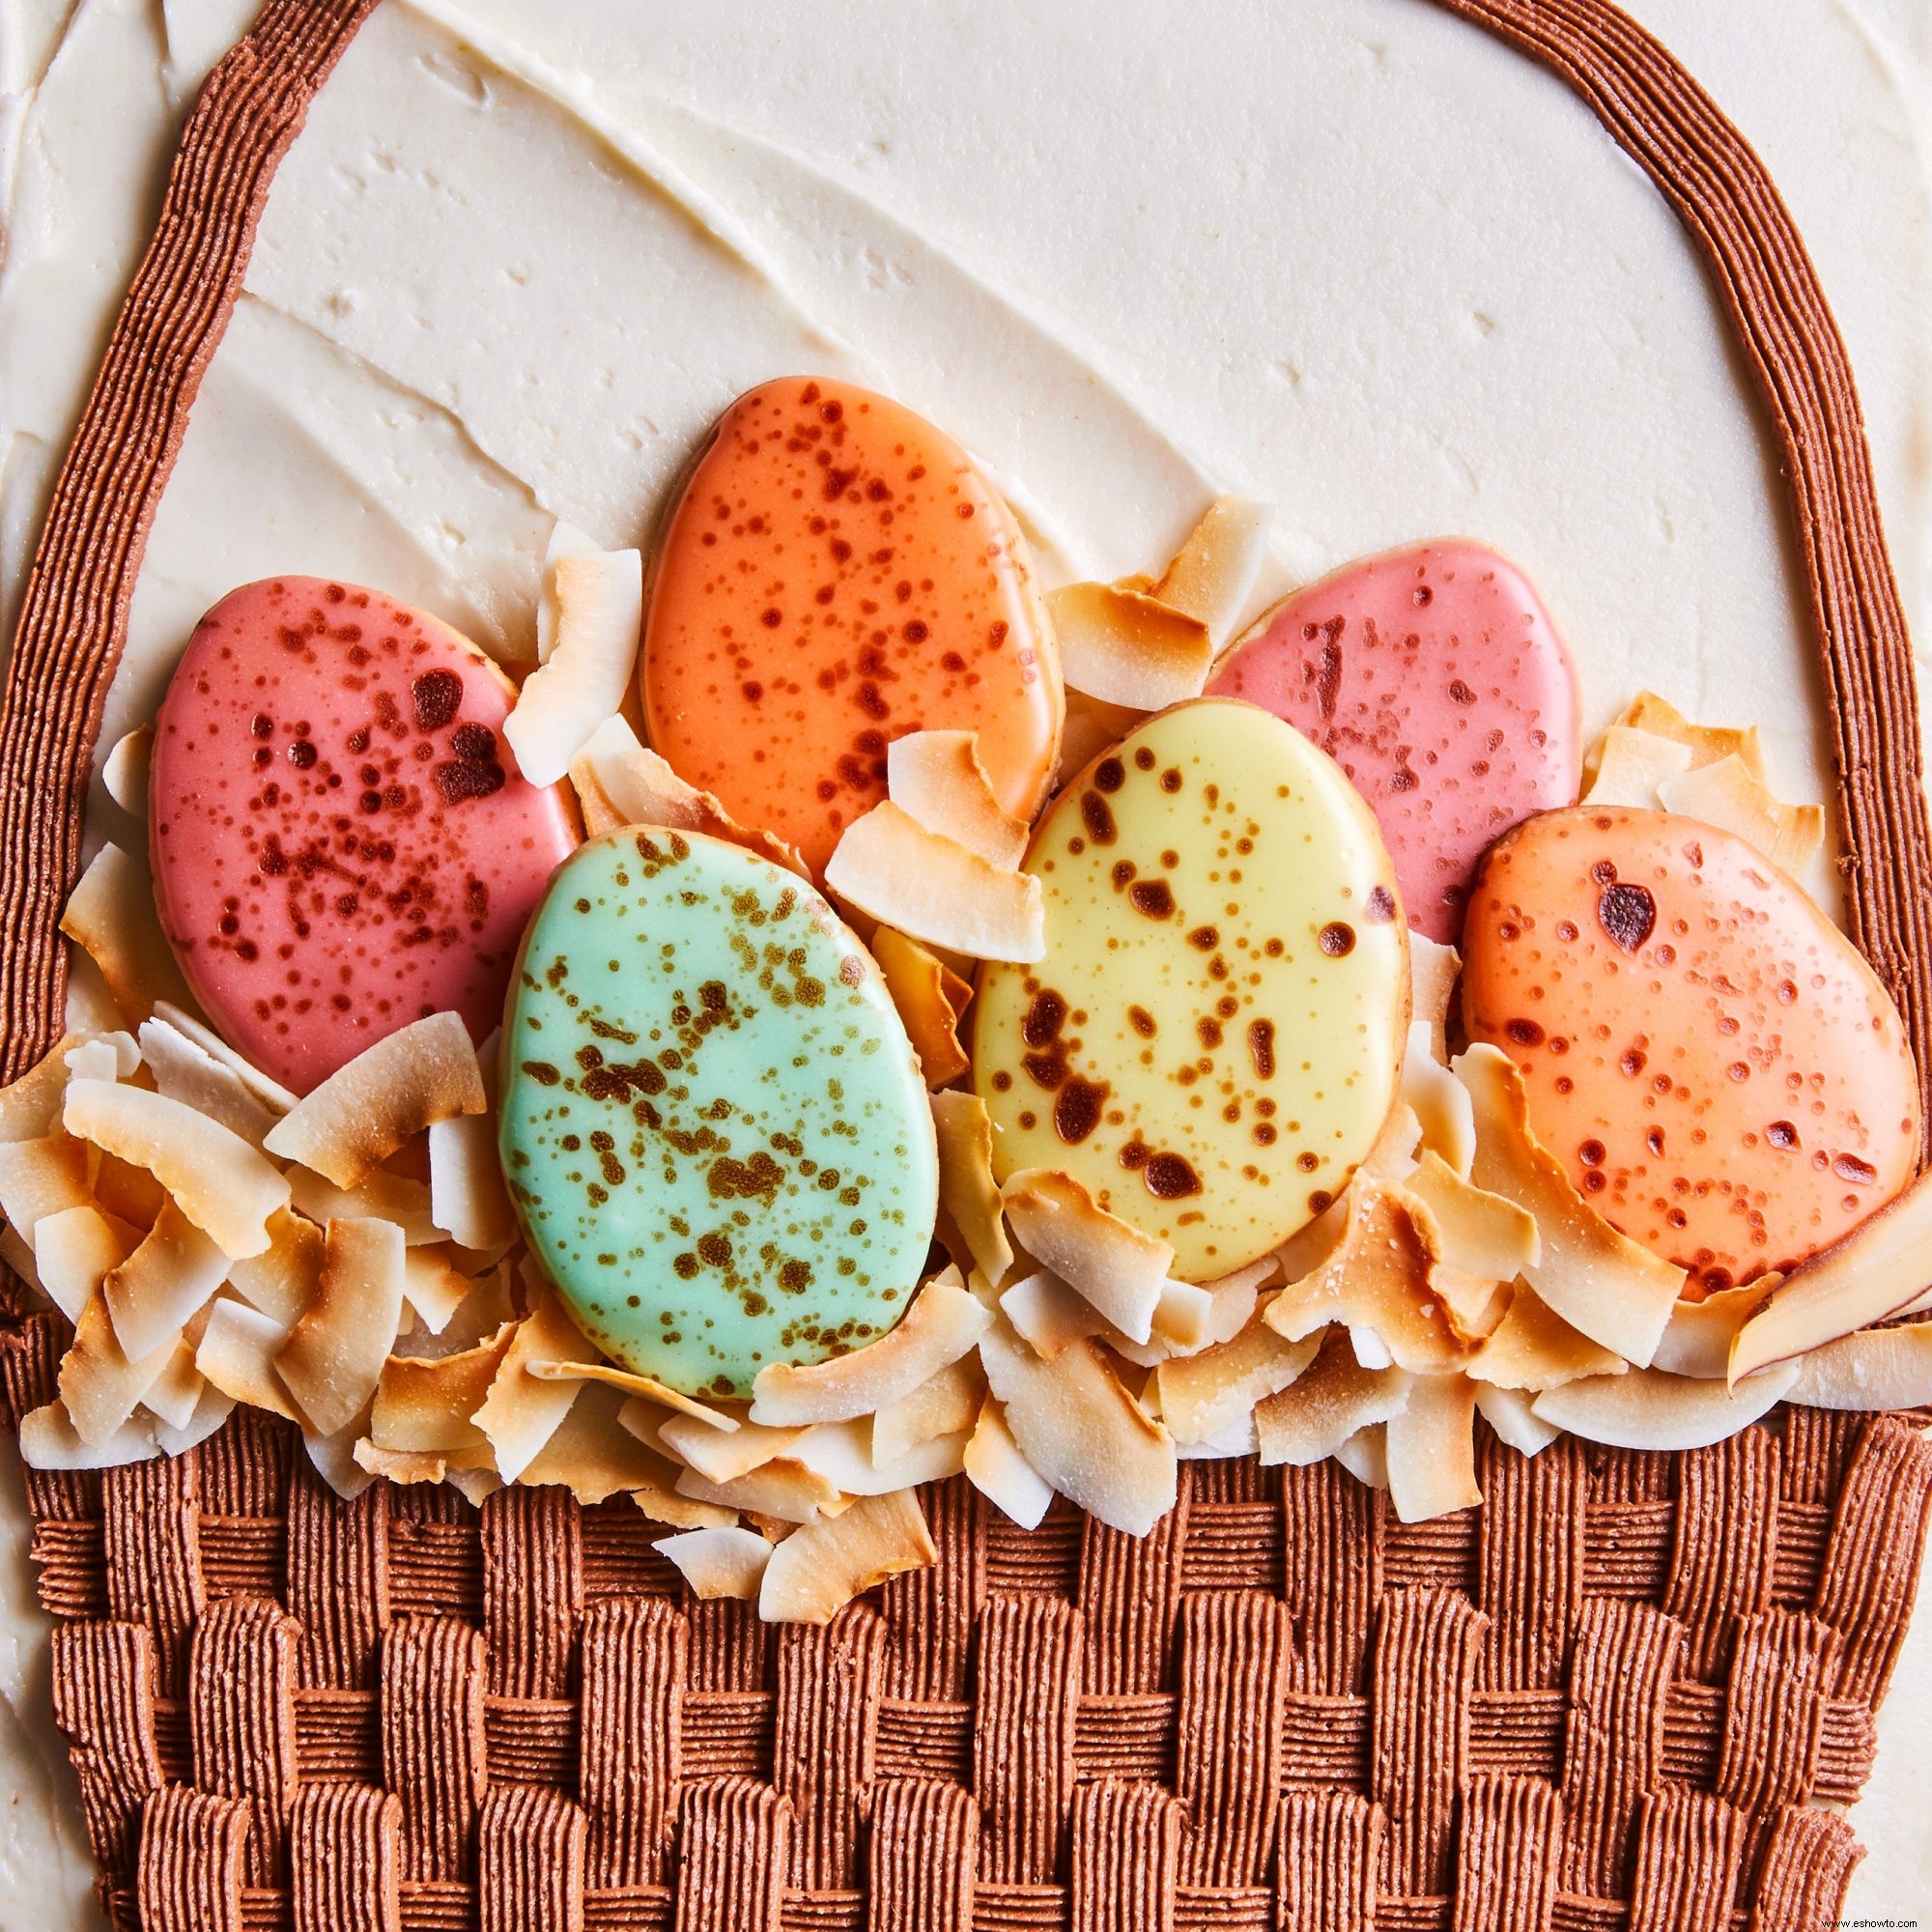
(73, 624)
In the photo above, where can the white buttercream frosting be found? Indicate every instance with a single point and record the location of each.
(1352, 258)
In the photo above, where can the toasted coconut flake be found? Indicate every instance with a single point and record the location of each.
(1512, 1414)
(1393, 1154)
(175, 1394)
(1236, 1438)
(1874, 1272)
(622, 783)
(947, 1403)
(611, 1376)
(1082, 1431)
(1727, 796)
(1630, 764)
(1121, 1270)
(74, 1250)
(96, 1057)
(100, 1387)
(892, 869)
(782, 1488)
(1330, 1401)
(168, 1277)
(1181, 1318)
(1233, 1298)
(996, 1468)
(49, 1440)
(1648, 1409)
(719, 1562)
(1049, 1314)
(1439, 1101)
(212, 1409)
(19, 1257)
(187, 1072)
(123, 772)
(930, 998)
(967, 1194)
(943, 1322)
(1601, 1282)
(1432, 972)
(363, 1112)
(841, 1453)
(43, 1176)
(1708, 743)
(335, 1355)
(599, 608)
(937, 778)
(271, 1092)
(399, 1465)
(1889, 1369)
(1126, 647)
(1365, 1456)
(237, 1355)
(661, 1503)
(719, 1456)
(382, 1196)
(1431, 1447)
(593, 1456)
(1213, 574)
(1533, 1347)
(334, 1457)
(1698, 1340)
(813, 1574)
(1483, 1234)
(221, 1183)
(433, 1286)
(1091, 726)
(282, 1280)
(111, 918)
(466, 1182)
(524, 1409)
(30, 1107)
(1201, 1395)
(128, 1191)
(424, 1407)
(1378, 1280)
(565, 540)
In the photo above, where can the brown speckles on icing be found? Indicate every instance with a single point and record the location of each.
(1626, 914)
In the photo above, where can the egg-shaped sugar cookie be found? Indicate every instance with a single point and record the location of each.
(1435, 677)
(713, 1123)
(837, 573)
(1213, 1039)
(342, 841)
(1720, 1072)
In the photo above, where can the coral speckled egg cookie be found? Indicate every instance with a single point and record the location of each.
(342, 842)
(839, 573)
(713, 1122)
(1434, 677)
(1212, 1041)
(1716, 1068)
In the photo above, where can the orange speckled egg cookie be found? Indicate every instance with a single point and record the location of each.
(837, 574)
(1714, 1065)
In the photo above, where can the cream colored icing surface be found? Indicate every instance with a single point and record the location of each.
(1349, 256)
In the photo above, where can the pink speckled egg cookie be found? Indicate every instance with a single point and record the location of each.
(342, 842)
(1716, 1068)
(1435, 678)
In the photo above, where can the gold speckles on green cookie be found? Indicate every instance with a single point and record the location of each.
(713, 1123)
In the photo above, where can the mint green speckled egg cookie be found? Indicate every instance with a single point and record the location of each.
(713, 1122)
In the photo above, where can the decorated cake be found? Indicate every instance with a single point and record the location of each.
(961, 968)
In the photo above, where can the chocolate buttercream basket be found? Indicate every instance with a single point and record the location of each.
(1381, 1518)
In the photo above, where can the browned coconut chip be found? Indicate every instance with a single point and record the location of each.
(73, 1252)
(1648, 1409)
(1049, 1316)
(335, 1355)
(363, 1112)
(1601, 1282)
(942, 1324)
(1332, 1400)
(782, 1488)
(1698, 1340)
(49, 1440)
(43, 1176)
(719, 1562)
(1432, 972)
(271, 1092)
(841, 1453)
(424, 1407)
(1444, 1115)
(221, 1183)
(111, 918)
(1213, 574)
(599, 608)
(1091, 726)
(466, 1196)
(1482, 1234)
(1128, 648)
(128, 1191)
(715, 1455)
(1725, 794)
(937, 778)
(1628, 765)
(524, 1409)
(1201, 1395)
(1121, 1270)
(947, 1403)
(935, 888)
(30, 1107)
(100, 1387)
(399, 1465)
(1877, 1270)
(381, 1196)
(237, 1355)
(622, 783)
(176, 1392)
(123, 772)
(1708, 743)
(282, 1281)
(631, 1383)
(968, 1198)
(996, 1468)
(434, 1287)
(931, 1001)
(186, 1071)
(172, 1274)
(1512, 1414)
(1430, 1447)
(1889, 1369)
(1082, 1432)
(816, 1571)
(1533, 1347)
(593, 1456)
